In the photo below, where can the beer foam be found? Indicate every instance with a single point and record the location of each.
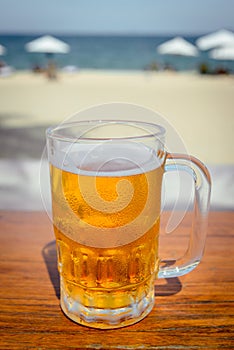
(106, 158)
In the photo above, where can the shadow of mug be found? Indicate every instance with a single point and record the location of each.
(49, 253)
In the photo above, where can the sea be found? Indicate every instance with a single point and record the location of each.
(107, 52)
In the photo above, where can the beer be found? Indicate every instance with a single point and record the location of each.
(106, 220)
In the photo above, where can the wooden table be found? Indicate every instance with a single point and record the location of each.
(193, 312)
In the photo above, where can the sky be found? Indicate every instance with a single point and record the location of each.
(115, 16)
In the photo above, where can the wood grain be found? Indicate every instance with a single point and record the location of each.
(193, 312)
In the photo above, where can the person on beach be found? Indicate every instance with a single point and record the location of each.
(52, 70)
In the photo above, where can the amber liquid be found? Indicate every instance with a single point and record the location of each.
(100, 278)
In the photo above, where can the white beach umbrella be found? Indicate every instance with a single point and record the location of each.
(2, 50)
(47, 44)
(223, 53)
(220, 38)
(177, 46)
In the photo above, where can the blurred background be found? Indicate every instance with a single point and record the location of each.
(59, 57)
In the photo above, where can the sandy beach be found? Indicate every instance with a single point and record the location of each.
(199, 108)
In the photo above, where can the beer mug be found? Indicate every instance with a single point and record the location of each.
(106, 180)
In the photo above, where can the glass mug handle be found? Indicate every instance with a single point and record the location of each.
(202, 183)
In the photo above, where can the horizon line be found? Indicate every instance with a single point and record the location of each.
(109, 33)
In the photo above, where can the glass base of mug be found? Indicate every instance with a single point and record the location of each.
(106, 318)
